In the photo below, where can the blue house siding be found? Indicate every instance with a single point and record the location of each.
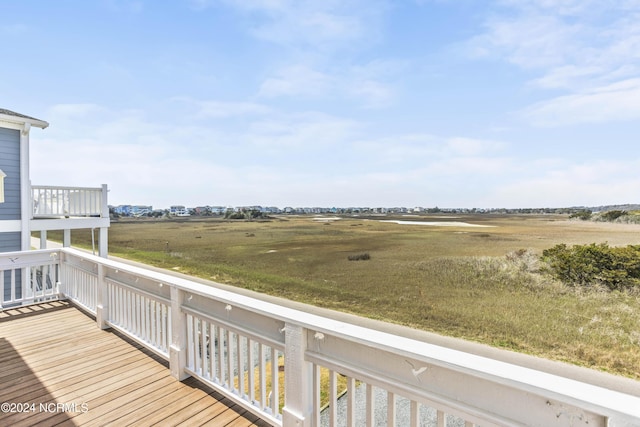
(10, 242)
(10, 165)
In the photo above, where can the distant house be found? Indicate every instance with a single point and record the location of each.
(218, 210)
(129, 210)
(123, 210)
(178, 210)
(141, 210)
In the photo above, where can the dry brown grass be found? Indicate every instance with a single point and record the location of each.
(475, 283)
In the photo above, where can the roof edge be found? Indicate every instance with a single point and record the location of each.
(17, 118)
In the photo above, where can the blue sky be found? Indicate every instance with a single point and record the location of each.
(449, 103)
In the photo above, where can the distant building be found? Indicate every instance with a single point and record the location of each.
(141, 210)
(218, 210)
(130, 210)
(122, 210)
(178, 210)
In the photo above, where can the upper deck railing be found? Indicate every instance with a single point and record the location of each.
(57, 202)
(290, 367)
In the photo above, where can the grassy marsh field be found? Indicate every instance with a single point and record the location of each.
(477, 283)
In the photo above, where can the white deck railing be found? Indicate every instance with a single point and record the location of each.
(290, 367)
(28, 277)
(56, 202)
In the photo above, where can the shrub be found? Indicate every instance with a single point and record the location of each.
(615, 268)
(583, 215)
(360, 257)
(612, 215)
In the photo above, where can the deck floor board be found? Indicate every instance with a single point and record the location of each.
(53, 354)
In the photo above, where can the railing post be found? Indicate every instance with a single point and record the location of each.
(104, 211)
(66, 238)
(103, 239)
(178, 347)
(43, 239)
(298, 395)
(102, 296)
(62, 274)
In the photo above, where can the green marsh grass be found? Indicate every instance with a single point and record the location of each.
(480, 284)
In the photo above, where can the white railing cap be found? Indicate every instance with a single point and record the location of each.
(58, 187)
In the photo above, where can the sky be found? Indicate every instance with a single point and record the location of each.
(379, 103)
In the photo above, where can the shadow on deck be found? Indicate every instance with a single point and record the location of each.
(58, 368)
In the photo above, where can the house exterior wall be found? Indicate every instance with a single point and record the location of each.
(10, 211)
(10, 165)
(10, 242)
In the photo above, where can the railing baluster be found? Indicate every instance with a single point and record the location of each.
(351, 401)
(166, 327)
(221, 346)
(229, 340)
(415, 414)
(212, 351)
(240, 356)
(370, 406)
(13, 284)
(203, 347)
(275, 380)
(154, 321)
(333, 398)
(316, 395)
(191, 343)
(122, 319)
(263, 377)
(144, 318)
(251, 372)
(391, 409)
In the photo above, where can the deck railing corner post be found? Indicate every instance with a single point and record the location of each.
(178, 336)
(102, 299)
(298, 395)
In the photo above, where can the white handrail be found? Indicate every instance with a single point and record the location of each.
(54, 201)
(236, 344)
(28, 277)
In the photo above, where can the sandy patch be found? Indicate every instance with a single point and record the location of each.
(438, 223)
(326, 218)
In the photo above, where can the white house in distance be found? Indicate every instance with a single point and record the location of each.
(178, 210)
(25, 208)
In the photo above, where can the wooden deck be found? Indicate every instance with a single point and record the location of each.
(59, 368)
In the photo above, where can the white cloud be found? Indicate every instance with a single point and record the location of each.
(75, 111)
(558, 183)
(529, 40)
(618, 101)
(296, 80)
(327, 24)
(473, 147)
(219, 110)
(372, 93)
(369, 85)
(589, 49)
(308, 131)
